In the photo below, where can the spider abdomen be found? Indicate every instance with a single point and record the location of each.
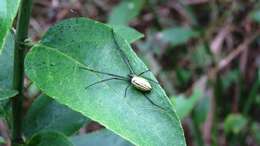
(141, 83)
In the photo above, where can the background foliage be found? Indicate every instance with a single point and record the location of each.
(205, 53)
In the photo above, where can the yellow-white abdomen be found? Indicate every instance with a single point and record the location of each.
(141, 83)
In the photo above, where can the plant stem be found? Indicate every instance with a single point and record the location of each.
(252, 95)
(196, 130)
(18, 76)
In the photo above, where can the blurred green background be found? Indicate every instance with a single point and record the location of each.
(205, 53)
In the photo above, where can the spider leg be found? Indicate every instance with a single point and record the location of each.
(148, 70)
(101, 81)
(140, 74)
(152, 102)
(123, 55)
(104, 73)
(127, 89)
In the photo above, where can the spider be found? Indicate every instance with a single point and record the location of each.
(140, 83)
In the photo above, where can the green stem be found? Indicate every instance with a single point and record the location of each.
(18, 77)
(252, 95)
(196, 131)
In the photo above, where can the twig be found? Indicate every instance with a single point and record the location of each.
(217, 42)
(207, 132)
(243, 46)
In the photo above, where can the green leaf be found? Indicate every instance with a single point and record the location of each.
(255, 15)
(33, 91)
(6, 77)
(55, 66)
(201, 110)
(129, 34)
(201, 56)
(47, 114)
(178, 35)
(6, 63)
(8, 10)
(185, 105)
(100, 138)
(182, 76)
(6, 94)
(125, 11)
(2, 140)
(49, 138)
(6, 68)
(255, 130)
(230, 78)
(234, 123)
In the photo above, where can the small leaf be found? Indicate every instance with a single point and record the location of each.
(6, 68)
(46, 114)
(129, 34)
(125, 11)
(201, 109)
(8, 10)
(201, 56)
(255, 15)
(230, 78)
(255, 130)
(55, 66)
(182, 76)
(100, 138)
(49, 138)
(33, 91)
(6, 94)
(2, 140)
(6, 63)
(185, 105)
(177, 36)
(234, 123)
(6, 76)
